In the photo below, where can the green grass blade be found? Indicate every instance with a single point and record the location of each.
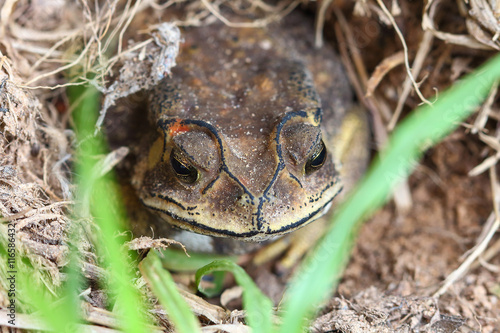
(60, 314)
(163, 286)
(427, 125)
(31, 294)
(108, 215)
(257, 305)
(177, 260)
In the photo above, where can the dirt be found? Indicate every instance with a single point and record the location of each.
(410, 255)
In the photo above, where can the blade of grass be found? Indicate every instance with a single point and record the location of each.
(30, 294)
(108, 215)
(257, 305)
(176, 260)
(163, 286)
(427, 125)
(31, 289)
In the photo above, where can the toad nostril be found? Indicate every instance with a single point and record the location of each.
(244, 200)
(231, 197)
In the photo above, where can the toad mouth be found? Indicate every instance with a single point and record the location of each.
(194, 226)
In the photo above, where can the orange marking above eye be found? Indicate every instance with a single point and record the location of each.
(178, 128)
(244, 181)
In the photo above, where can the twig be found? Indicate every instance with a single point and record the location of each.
(492, 251)
(483, 115)
(320, 23)
(4, 63)
(25, 34)
(30, 322)
(5, 13)
(35, 49)
(30, 212)
(369, 102)
(491, 160)
(384, 67)
(159, 7)
(423, 50)
(231, 328)
(402, 197)
(481, 246)
(117, 57)
(464, 39)
(353, 48)
(63, 68)
(405, 48)
(216, 13)
(36, 219)
(57, 86)
(42, 184)
(53, 49)
(127, 23)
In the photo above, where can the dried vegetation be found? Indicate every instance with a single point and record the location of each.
(398, 54)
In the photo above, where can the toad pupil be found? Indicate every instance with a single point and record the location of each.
(184, 171)
(317, 160)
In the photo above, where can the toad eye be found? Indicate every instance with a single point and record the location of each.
(184, 171)
(317, 160)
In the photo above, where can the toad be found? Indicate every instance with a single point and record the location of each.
(248, 143)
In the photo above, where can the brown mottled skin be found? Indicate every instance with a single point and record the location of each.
(247, 111)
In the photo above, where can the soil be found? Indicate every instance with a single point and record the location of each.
(408, 255)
